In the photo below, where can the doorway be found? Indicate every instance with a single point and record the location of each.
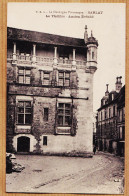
(23, 144)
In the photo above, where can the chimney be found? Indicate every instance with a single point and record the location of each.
(85, 35)
(107, 92)
(118, 84)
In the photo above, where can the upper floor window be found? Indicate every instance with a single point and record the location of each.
(24, 76)
(105, 113)
(46, 110)
(114, 108)
(112, 96)
(101, 116)
(109, 112)
(93, 55)
(123, 113)
(24, 112)
(64, 78)
(64, 114)
(46, 78)
(122, 132)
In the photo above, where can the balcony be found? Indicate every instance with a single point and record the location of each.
(44, 60)
(64, 61)
(39, 60)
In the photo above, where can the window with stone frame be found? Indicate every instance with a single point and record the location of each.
(45, 140)
(101, 116)
(109, 112)
(92, 55)
(24, 112)
(64, 114)
(114, 110)
(46, 113)
(123, 114)
(46, 78)
(122, 132)
(24, 75)
(105, 113)
(64, 79)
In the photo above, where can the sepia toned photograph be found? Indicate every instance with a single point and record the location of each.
(65, 127)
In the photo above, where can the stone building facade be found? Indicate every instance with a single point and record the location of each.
(50, 92)
(110, 124)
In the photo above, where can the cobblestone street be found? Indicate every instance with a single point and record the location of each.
(51, 174)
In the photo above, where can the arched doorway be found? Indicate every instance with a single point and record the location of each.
(23, 144)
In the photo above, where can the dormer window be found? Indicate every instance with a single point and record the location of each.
(92, 55)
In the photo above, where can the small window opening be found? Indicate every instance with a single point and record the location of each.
(92, 55)
(45, 140)
(46, 114)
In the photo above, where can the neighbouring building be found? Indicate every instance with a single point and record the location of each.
(110, 123)
(94, 129)
(50, 92)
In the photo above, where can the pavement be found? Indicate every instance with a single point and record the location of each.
(102, 174)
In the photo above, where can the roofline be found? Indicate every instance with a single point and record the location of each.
(61, 36)
(49, 43)
(112, 100)
(104, 106)
(44, 33)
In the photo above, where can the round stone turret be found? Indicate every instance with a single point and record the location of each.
(92, 40)
(92, 45)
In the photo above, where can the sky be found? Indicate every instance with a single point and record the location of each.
(106, 20)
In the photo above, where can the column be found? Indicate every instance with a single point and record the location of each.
(14, 51)
(74, 58)
(55, 55)
(34, 53)
(54, 73)
(74, 61)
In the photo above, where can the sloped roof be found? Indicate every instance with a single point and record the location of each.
(119, 98)
(46, 38)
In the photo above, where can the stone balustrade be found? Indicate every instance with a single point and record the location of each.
(39, 59)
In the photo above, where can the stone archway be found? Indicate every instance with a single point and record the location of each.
(23, 144)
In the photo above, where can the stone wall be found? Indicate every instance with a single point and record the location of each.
(79, 94)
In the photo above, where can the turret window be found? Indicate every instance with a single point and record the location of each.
(93, 55)
(112, 96)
